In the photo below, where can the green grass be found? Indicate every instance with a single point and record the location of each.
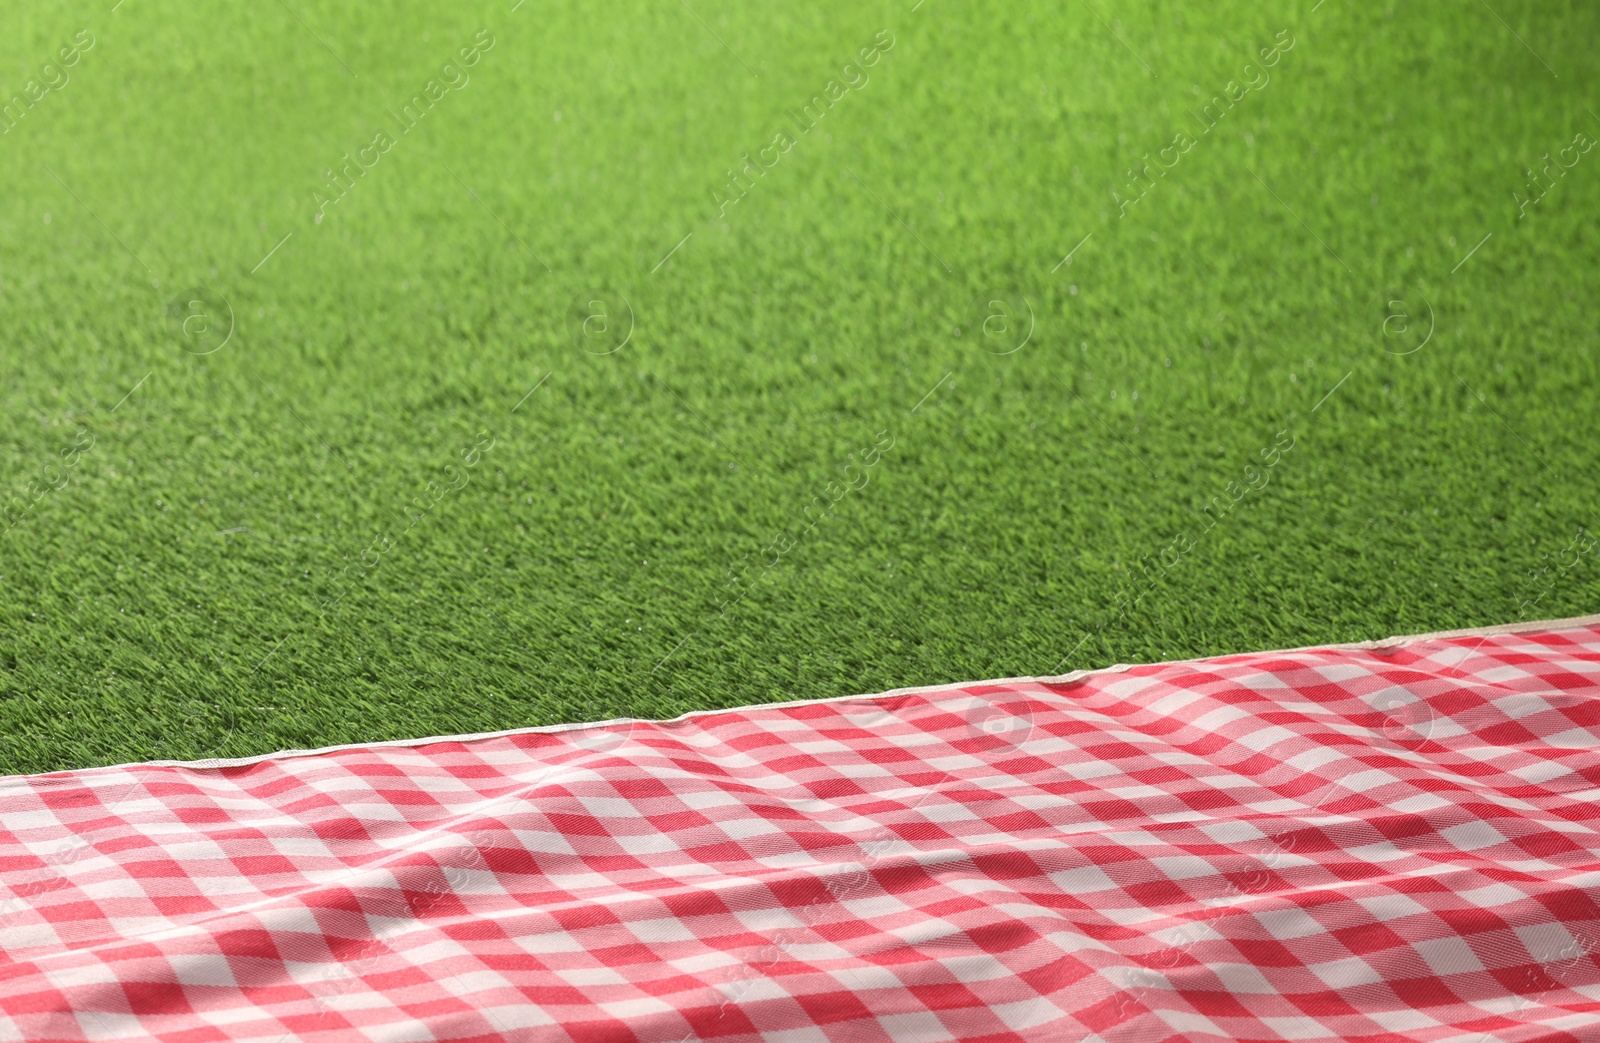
(172, 598)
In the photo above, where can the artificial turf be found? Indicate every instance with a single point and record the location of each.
(652, 529)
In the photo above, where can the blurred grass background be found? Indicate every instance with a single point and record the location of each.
(613, 553)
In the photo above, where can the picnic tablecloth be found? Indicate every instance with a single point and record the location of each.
(1393, 841)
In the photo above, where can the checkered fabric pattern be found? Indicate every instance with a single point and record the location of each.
(1360, 843)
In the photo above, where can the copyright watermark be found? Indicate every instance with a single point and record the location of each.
(1403, 718)
(1408, 324)
(602, 321)
(201, 319)
(1006, 718)
(1006, 323)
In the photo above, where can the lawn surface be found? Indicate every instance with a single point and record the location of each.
(1321, 366)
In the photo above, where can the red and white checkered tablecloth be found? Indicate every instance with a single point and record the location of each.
(1364, 843)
